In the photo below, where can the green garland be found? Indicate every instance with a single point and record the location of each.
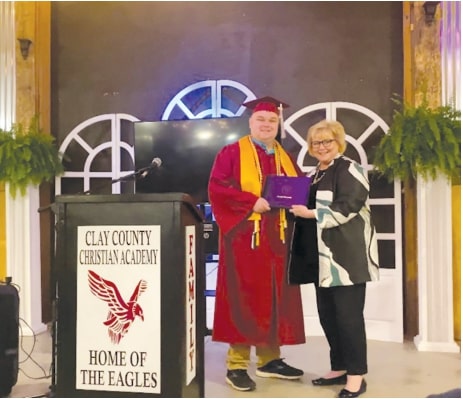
(28, 156)
(421, 142)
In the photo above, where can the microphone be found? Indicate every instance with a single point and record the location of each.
(155, 163)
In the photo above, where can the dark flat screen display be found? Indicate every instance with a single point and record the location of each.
(187, 149)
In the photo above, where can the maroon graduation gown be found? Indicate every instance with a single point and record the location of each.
(252, 284)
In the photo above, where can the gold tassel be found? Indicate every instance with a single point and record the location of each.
(255, 241)
(283, 225)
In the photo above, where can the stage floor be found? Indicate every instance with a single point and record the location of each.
(395, 371)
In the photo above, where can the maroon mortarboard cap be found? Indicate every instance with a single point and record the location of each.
(266, 104)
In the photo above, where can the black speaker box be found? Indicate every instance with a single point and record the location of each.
(9, 338)
(210, 231)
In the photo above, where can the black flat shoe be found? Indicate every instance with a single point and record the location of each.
(342, 379)
(344, 393)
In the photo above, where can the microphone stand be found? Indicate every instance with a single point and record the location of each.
(138, 174)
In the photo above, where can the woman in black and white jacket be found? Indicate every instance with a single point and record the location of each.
(334, 245)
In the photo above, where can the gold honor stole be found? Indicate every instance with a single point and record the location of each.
(251, 180)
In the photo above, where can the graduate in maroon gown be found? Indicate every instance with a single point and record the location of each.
(254, 304)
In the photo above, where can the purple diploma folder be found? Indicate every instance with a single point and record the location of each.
(285, 191)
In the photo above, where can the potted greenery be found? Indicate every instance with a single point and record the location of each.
(421, 141)
(28, 156)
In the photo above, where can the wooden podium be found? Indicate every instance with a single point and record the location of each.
(128, 276)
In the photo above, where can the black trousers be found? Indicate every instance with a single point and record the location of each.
(341, 315)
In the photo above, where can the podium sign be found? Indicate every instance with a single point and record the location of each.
(118, 308)
(126, 325)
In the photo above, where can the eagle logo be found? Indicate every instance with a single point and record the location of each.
(121, 315)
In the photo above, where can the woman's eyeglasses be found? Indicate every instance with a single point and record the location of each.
(325, 143)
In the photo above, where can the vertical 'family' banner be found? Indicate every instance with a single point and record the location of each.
(118, 339)
(190, 268)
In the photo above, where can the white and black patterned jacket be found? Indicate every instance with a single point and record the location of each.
(346, 237)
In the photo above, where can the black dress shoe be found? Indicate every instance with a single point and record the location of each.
(342, 379)
(344, 393)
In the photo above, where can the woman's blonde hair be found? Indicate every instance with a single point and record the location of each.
(334, 127)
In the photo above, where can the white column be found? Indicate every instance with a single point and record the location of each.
(23, 257)
(7, 65)
(22, 219)
(435, 292)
